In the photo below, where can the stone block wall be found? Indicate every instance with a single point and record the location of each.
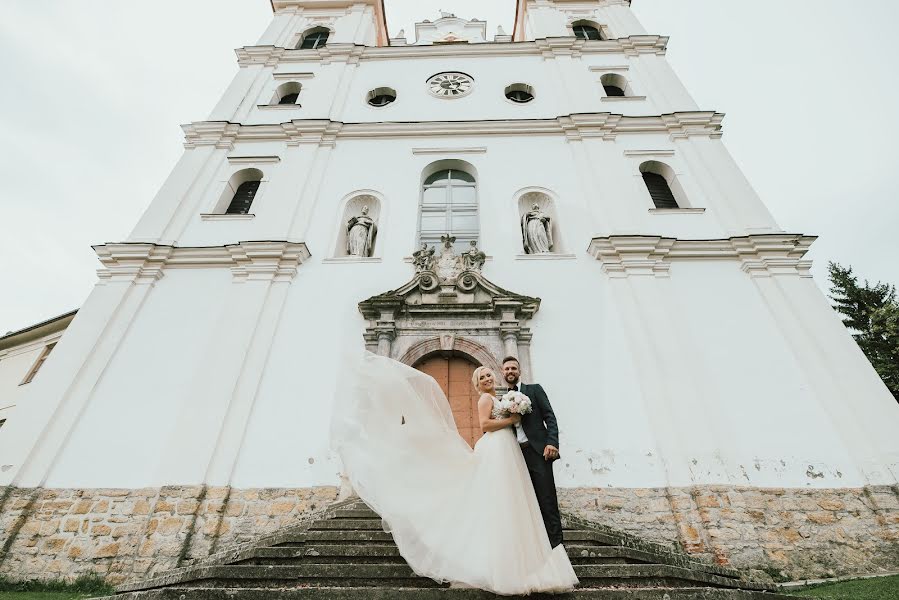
(773, 533)
(128, 535)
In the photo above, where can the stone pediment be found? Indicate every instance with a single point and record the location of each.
(450, 306)
(450, 285)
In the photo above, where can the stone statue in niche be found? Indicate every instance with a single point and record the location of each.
(360, 235)
(474, 259)
(423, 258)
(536, 231)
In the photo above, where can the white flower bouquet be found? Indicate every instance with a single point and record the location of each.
(514, 403)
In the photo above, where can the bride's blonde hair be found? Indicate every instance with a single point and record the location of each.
(475, 377)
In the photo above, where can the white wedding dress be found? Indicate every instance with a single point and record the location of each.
(457, 515)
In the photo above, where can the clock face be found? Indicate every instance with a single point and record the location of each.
(450, 85)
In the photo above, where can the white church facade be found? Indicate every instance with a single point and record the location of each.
(552, 193)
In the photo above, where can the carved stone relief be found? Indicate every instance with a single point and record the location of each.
(450, 307)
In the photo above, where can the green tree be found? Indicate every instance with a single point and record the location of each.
(871, 312)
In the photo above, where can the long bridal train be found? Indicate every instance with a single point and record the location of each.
(456, 514)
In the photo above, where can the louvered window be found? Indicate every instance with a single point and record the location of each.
(243, 198)
(39, 363)
(314, 39)
(586, 32)
(449, 205)
(289, 99)
(660, 191)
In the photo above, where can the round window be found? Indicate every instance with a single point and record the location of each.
(381, 96)
(520, 93)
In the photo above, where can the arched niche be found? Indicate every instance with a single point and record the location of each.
(546, 203)
(353, 206)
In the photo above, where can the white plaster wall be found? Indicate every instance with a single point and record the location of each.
(124, 428)
(600, 188)
(562, 86)
(15, 364)
(709, 376)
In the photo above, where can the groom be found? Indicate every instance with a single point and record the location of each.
(538, 436)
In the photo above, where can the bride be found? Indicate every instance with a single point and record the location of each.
(458, 515)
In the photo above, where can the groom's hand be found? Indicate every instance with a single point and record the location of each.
(550, 452)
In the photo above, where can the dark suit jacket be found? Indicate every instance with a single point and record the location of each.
(540, 424)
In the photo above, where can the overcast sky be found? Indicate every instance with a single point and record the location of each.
(94, 91)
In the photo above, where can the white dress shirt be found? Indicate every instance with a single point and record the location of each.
(519, 430)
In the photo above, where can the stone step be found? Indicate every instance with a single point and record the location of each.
(332, 553)
(401, 575)
(391, 593)
(356, 513)
(324, 554)
(326, 535)
(348, 524)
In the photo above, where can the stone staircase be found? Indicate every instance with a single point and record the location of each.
(343, 552)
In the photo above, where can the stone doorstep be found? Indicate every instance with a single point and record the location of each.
(390, 593)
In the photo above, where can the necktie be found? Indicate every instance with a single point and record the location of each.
(514, 388)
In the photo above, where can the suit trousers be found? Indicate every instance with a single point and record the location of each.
(541, 472)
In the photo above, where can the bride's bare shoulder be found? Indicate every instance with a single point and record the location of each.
(485, 399)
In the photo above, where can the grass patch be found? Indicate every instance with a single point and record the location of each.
(876, 588)
(85, 586)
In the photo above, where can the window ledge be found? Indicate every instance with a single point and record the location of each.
(623, 98)
(676, 211)
(278, 106)
(351, 259)
(545, 256)
(221, 217)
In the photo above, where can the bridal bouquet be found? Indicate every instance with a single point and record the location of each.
(515, 403)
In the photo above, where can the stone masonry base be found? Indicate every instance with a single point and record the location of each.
(129, 535)
(776, 533)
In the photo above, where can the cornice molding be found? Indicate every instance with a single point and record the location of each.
(552, 47)
(142, 263)
(763, 255)
(575, 127)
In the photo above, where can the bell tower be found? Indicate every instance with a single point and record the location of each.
(541, 19)
(357, 22)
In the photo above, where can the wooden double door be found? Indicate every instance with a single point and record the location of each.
(454, 376)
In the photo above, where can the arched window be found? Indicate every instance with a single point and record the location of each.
(586, 31)
(287, 93)
(656, 177)
(314, 38)
(240, 192)
(449, 205)
(243, 198)
(615, 85)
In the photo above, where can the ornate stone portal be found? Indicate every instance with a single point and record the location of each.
(450, 307)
